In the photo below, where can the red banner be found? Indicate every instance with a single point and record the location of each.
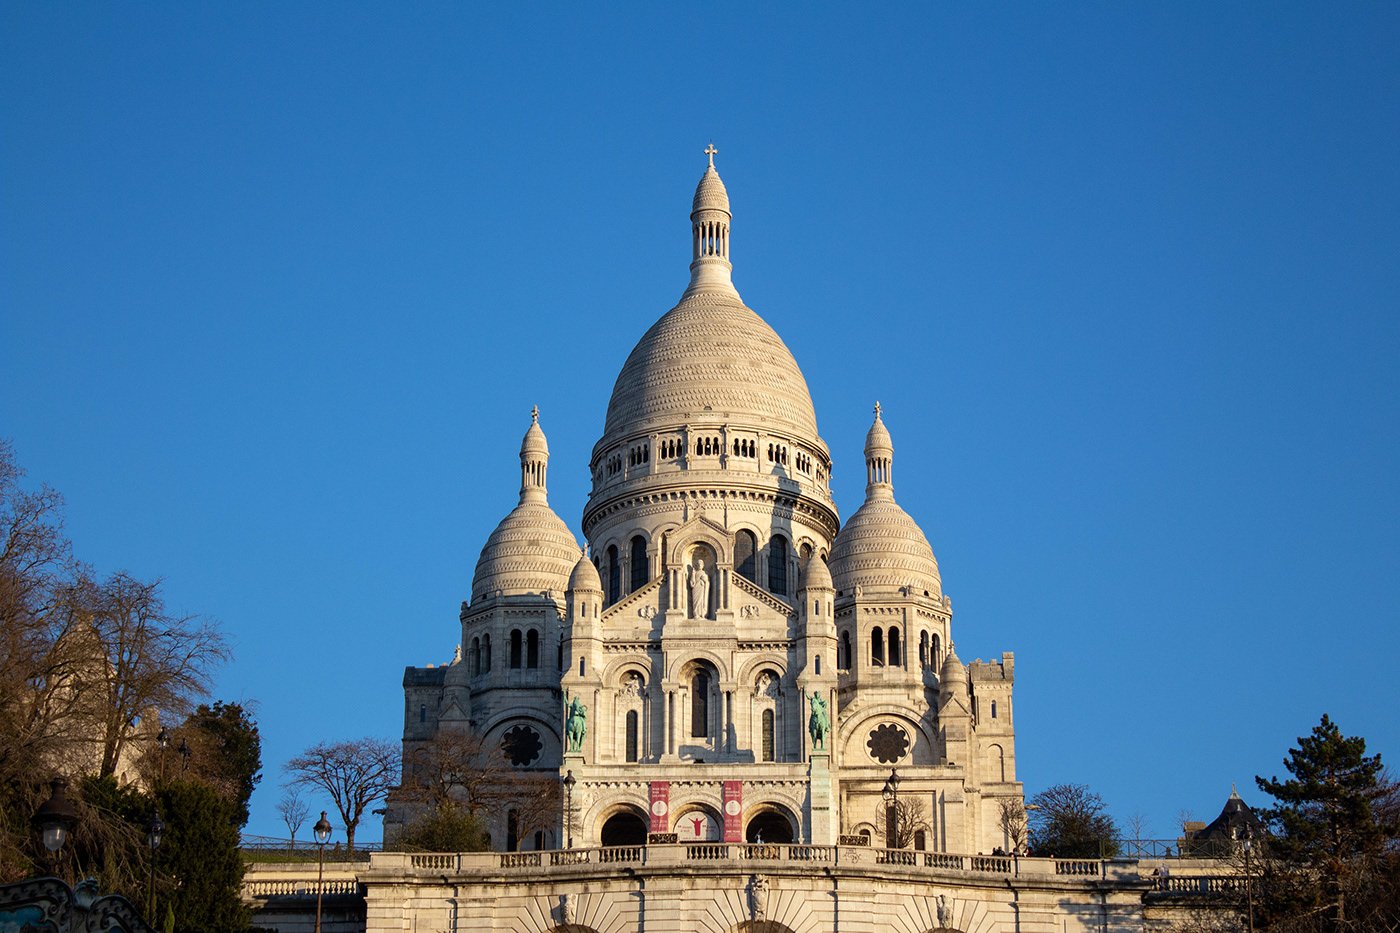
(733, 797)
(660, 806)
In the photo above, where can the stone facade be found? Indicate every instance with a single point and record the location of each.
(720, 612)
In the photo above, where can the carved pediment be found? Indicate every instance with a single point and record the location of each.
(639, 604)
(750, 593)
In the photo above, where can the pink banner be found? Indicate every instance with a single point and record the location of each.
(660, 806)
(733, 797)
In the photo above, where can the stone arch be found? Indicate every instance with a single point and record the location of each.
(677, 545)
(768, 816)
(750, 667)
(855, 730)
(698, 654)
(761, 926)
(615, 673)
(713, 831)
(622, 825)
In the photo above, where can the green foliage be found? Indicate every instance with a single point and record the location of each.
(446, 827)
(227, 750)
(1071, 821)
(198, 864)
(1333, 860)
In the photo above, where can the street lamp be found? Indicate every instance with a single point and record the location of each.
(185, 753)
(891, 795)
(162, 739)
(153, 832)
(569, 783)
(55, 818)
(322, 831)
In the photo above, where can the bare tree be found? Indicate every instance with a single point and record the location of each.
(293, 810)
(354, 774)
(1011, 817)
(911, 818)
(154, 661)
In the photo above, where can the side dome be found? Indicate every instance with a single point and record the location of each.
(531, 551)
(881, 547)
(816, 574)
(585, 576)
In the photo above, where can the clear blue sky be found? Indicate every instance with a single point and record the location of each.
(281, 282)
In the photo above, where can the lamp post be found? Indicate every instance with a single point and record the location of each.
(891, 795)
(185, 753)
(55, 819)
(322, 831)
(569, 783)
(153, 832)
(162, 739)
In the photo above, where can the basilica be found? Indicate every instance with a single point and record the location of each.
(721, 659)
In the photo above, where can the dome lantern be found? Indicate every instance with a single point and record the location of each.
(534, 461)
(709, 232)
(879, 458)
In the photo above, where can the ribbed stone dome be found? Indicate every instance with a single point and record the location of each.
(711, 357)
(710, 194)
(882, 547)
(531, 551)
(585, 577)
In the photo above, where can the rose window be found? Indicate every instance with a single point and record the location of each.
(887, 743)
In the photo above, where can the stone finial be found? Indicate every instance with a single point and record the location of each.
(711, 151)
(535, 412)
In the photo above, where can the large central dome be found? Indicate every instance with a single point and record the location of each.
(711, 357)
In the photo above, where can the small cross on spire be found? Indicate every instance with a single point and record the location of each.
(535, 414)
(711, 151)
(877, 409)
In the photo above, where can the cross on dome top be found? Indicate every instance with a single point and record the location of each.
(711, 151)
(535, 413)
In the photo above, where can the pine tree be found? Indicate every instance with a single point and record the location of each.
(1329, 856)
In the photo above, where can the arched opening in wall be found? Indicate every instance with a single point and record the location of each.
(641, 571)
(935, 652)
(999, 761)
(768, 735)
(422, 714)
(560, 659)
(877, 646)
(486, 654)
(894, 647)
(817, 662)
(532, 649)
(515, 649)
(778, 565)
(771, 824)
(614, 575)
(700, 704)
(633, 725)
(512, 830)
(745, 549)
(923, 649)
(844, 661)
(864, 834)
(920, 839)
(994, 709)
(539, 840)
(476, 657)
(699, 824)
(623, 829)
(805, 552)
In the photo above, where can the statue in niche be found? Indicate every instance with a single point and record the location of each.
(699, 588)
(575, 724)
(820, 723)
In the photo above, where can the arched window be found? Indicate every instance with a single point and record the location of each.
(641, 571)
(934, 652)
(745, 547)
(561, 652)
(894, 647)
(700, 705)
(778, 565)
(512, 830)
(486, 654)
(994, 709)
(877, 646)
(476, 656)
(532, 649)
(768, 735)
(614, 575)
(844, 661)
(422, 714)
(866, 834)
(632, 728)
(539, 840)
(515, 649)
(817, 660)
(805, 552)
(923, 649)
(920, 839)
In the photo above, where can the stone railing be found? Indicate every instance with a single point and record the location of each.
(299, 880)
(713, 853)
(299, 888)
(1200, 884)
